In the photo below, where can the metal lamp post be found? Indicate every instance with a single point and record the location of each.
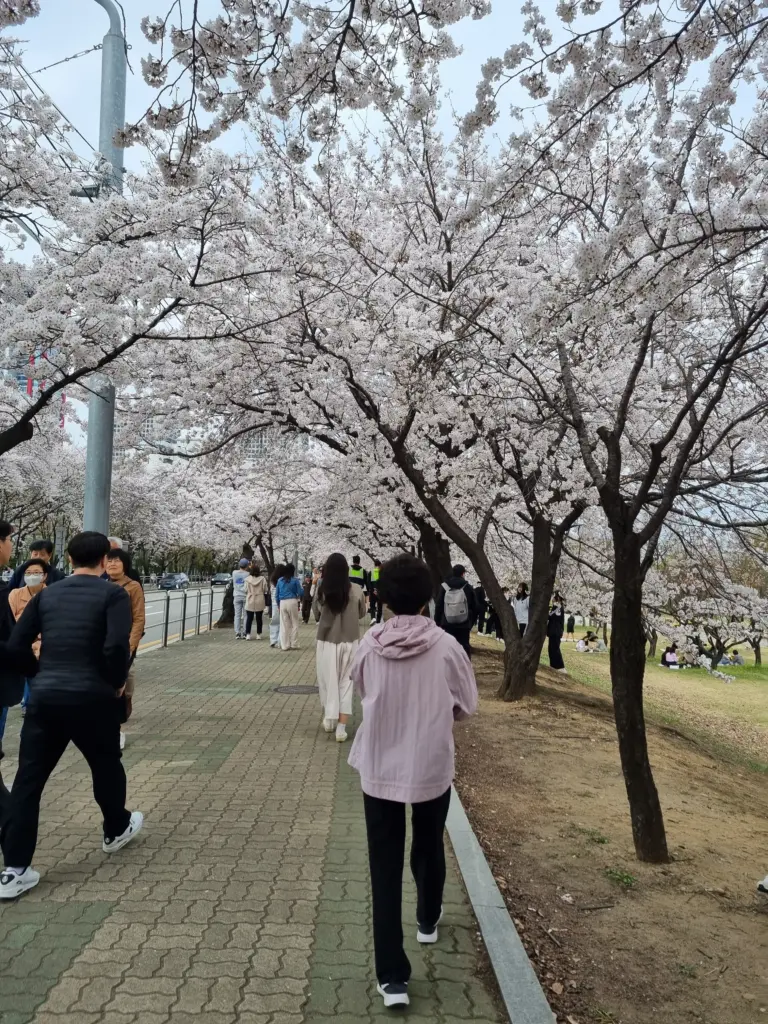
(101, 407)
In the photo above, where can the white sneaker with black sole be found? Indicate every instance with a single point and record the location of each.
(763, 886)
(14, 882)
(118, 842)
(394, 994)
(425, 936)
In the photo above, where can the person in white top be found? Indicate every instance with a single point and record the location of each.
(520, 606)
(239, 577)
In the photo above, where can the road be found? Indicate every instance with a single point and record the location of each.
(160, 603)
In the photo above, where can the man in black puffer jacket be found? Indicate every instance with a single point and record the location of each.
(84, 623)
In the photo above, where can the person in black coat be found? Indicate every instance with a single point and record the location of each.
(555, 626)
(84, 623)
(459, 630)
(481, 604)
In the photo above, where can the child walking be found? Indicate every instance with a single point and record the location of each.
(415, 681)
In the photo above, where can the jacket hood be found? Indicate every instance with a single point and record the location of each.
(455, 582)
(404, 636)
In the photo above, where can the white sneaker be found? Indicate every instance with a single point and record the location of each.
(247, 636)
(428, 938)
(329, 724)
(118, 842)
(394, 994)
(341, 733)
(258, 636)
(763, 886)
(13, 882)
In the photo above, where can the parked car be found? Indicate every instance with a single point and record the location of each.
(221, 579)
(173, 581)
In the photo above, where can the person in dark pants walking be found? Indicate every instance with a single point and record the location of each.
(84, 623)
(456, 607)
(415, 680)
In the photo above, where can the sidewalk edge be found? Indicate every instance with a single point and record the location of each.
(520, 989)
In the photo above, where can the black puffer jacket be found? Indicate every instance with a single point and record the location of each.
(11, 679)
(84, 623)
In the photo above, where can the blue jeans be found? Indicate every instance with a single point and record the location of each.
(3, 718)
(25, 698)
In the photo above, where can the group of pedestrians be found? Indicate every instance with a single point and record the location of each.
(74, 643)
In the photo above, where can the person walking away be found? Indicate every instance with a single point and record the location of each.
(481, 603)
(38, 549)
(570, 627)
(288, 594)
(555, 624)
(118, 568)
(520, 607)
(274, 618)
(357, 573)
(85, 626)
(34, 579)
(415, 680)
(239, 577)
(256, 600)
(306, 599)
(456, 609)
(338, 607)
(11, 678)
(373, 591)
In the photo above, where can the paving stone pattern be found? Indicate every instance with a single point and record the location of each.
(246, 899)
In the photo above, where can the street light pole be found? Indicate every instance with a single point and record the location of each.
(101, 408)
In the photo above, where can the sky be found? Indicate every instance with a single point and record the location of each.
(66, 27)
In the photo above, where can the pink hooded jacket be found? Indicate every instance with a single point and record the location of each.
(415, 681)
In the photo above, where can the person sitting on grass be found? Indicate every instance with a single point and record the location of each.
(415, 681)
(669, 657)
(588, 642)
(737, 659)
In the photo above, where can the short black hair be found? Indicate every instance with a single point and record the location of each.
(458, 570)
(356, 559)
(87, 549)
(289, 571)
(405, 585)
(5, 529)
(42, 545)
(124, 557)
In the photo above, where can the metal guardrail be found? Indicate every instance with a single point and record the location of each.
(174, 615)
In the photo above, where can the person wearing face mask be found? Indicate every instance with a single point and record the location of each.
(120, 571)
(35, 577)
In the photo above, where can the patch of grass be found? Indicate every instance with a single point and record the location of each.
(688, 970)
(604, 1017)
(593, 835)
(620, 877)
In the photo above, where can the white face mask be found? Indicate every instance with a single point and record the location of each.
(33, 580)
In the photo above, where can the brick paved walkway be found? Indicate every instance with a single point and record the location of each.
(246, 898)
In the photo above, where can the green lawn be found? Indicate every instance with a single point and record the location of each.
(727, 717)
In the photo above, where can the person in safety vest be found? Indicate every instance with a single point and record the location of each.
(373, 591)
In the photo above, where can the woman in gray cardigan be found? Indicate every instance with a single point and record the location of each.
(338, 606)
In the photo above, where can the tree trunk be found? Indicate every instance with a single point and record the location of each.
(15, 435)
(436, 552)
(755, 645)
(521, 656)
(627, 670)
(227, 617)
(652, 642)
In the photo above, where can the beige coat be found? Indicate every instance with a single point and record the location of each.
(343, 628)
(256, 591)
(18, 600)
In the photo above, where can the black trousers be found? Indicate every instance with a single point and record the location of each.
(385, 824)
(555, 654)
(460, 633)
(249, 622)
(47, 730)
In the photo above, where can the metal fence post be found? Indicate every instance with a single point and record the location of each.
(183, 613)
(199, 609)
(210, 612)
(166, 617)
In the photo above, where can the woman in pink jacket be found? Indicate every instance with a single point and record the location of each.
(415, 681)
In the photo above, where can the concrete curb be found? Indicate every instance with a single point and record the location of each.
(520, 989)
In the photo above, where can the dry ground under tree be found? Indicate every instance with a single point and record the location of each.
(616, 941)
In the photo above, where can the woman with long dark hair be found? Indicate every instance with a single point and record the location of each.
(338, 606)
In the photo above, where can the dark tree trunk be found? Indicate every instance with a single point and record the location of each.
(436, 551)
(605, 633)
(227, 617)
(521, 656)
(15, 435)
(652, 642)
(755, 645)
(627, 670)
